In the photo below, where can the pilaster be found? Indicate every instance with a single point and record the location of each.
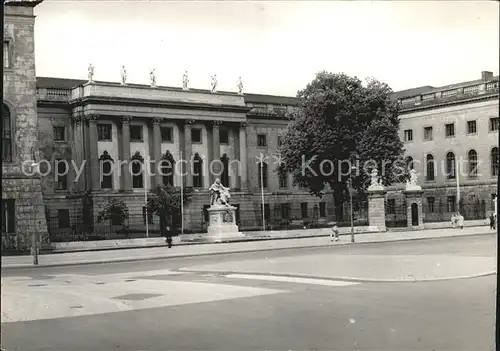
(157, 151)
(94, 153)
(215, 151)
(188, 154)
(243, 157)
(125, 157)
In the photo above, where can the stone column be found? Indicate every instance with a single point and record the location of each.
(188, 150)
(157, 151)
(233, 172)
(94, 153)
(243, 157)
(125, 158)
(376, 210)
(414, 199)
(215, 152)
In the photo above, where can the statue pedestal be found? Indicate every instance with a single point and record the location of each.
(223, 223)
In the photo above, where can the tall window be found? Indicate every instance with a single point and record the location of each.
(450, 165)
(62, 176)
(408, 135)
(262, 175)
(197, 171)
(167, 168)
(167, 135)
(471, 127)
(452, 201)
(59, 133)
(427, 133)
(494, 161)
(136, 133)
(196, 135)
(104, 132)
(137, 171)
(430, 204)
(6, 54)
(8, 216)
(449, 130)
(225, 170)
(303, 210)
(494, 124)
(283, 177)
(430, 168)
(472, 158)
(223, 136)
(106, 163)
(7, 135)
(261, 140)
(285, 211)
(322, 209)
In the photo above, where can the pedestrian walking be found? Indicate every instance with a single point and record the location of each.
(492, 221)
(334, 235)
(460, 221)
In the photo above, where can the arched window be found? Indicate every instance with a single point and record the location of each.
(450, 165)
(197, 171)
(472, 161)
(430, 168)
(494, 161)
(225, 170)
(409, 163)
(167, 168)
(7, 134)
(262, 175)
(137, 171)
(106, 163)
(62, 175)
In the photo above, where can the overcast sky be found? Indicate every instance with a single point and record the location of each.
(277, 47)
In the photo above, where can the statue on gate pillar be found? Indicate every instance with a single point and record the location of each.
(219, 194)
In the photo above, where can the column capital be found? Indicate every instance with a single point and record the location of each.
(156, 120)
(126, 119)
(243, 124)
(91, 118)
(77, 117)
(216, 123)
(189, 122)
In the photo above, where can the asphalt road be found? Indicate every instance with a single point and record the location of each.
(149, 306)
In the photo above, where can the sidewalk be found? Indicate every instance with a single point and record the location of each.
(258, 244)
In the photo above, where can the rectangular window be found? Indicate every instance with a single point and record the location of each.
(167, 135)
(391, 206)
(136, 133)
(408, 135)
(283, 176)
(6, 54)
(430, 204)
(471, 127)
(428, 133)
(8, 216)
(494, 124)
(285, 211)
(452, 201)
(261, 140)
(196, 135)
(223, 136)
(64, 221)
(59, 133)
(104, 132)
(303, 210)
(450, 130)
(322, 209)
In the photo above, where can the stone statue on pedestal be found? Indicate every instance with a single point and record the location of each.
(239, 84)
(376, 182)
(214, 82)
(185, 80)
(412, 183)
(219, 194)
(152, 77)
(91, 73)
(124, 75)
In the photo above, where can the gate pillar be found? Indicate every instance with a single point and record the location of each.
(376, 210)
(414, 205)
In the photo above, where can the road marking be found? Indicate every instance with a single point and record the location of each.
(275, 278)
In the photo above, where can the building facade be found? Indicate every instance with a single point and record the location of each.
(23, 216)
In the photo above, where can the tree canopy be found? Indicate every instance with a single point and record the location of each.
(166, 200)
(338, 122)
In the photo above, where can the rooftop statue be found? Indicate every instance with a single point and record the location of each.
(185, 80)
(214, 82)
(152, 76)
(91, 72)
(124, 74)
(239, 84)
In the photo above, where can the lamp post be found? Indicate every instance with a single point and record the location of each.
(34, 244)
(262, 195)
(353, 168)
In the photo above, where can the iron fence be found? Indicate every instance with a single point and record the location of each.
(396, 213)
(442, 209)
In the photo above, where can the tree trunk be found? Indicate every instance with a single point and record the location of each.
(339, 202)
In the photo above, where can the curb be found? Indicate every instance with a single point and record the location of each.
(336, 278)
(188, 255)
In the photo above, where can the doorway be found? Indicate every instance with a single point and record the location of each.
(414, 215)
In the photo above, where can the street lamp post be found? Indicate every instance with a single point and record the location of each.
(353, 168)
(34, 244)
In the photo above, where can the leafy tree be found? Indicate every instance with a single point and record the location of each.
(338, 123)
(166, 200)
(115, 211)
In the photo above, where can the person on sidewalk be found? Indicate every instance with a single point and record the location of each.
(454, 220)
(334, 235)
(168, 236)
(492, 221)
(460, 221)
